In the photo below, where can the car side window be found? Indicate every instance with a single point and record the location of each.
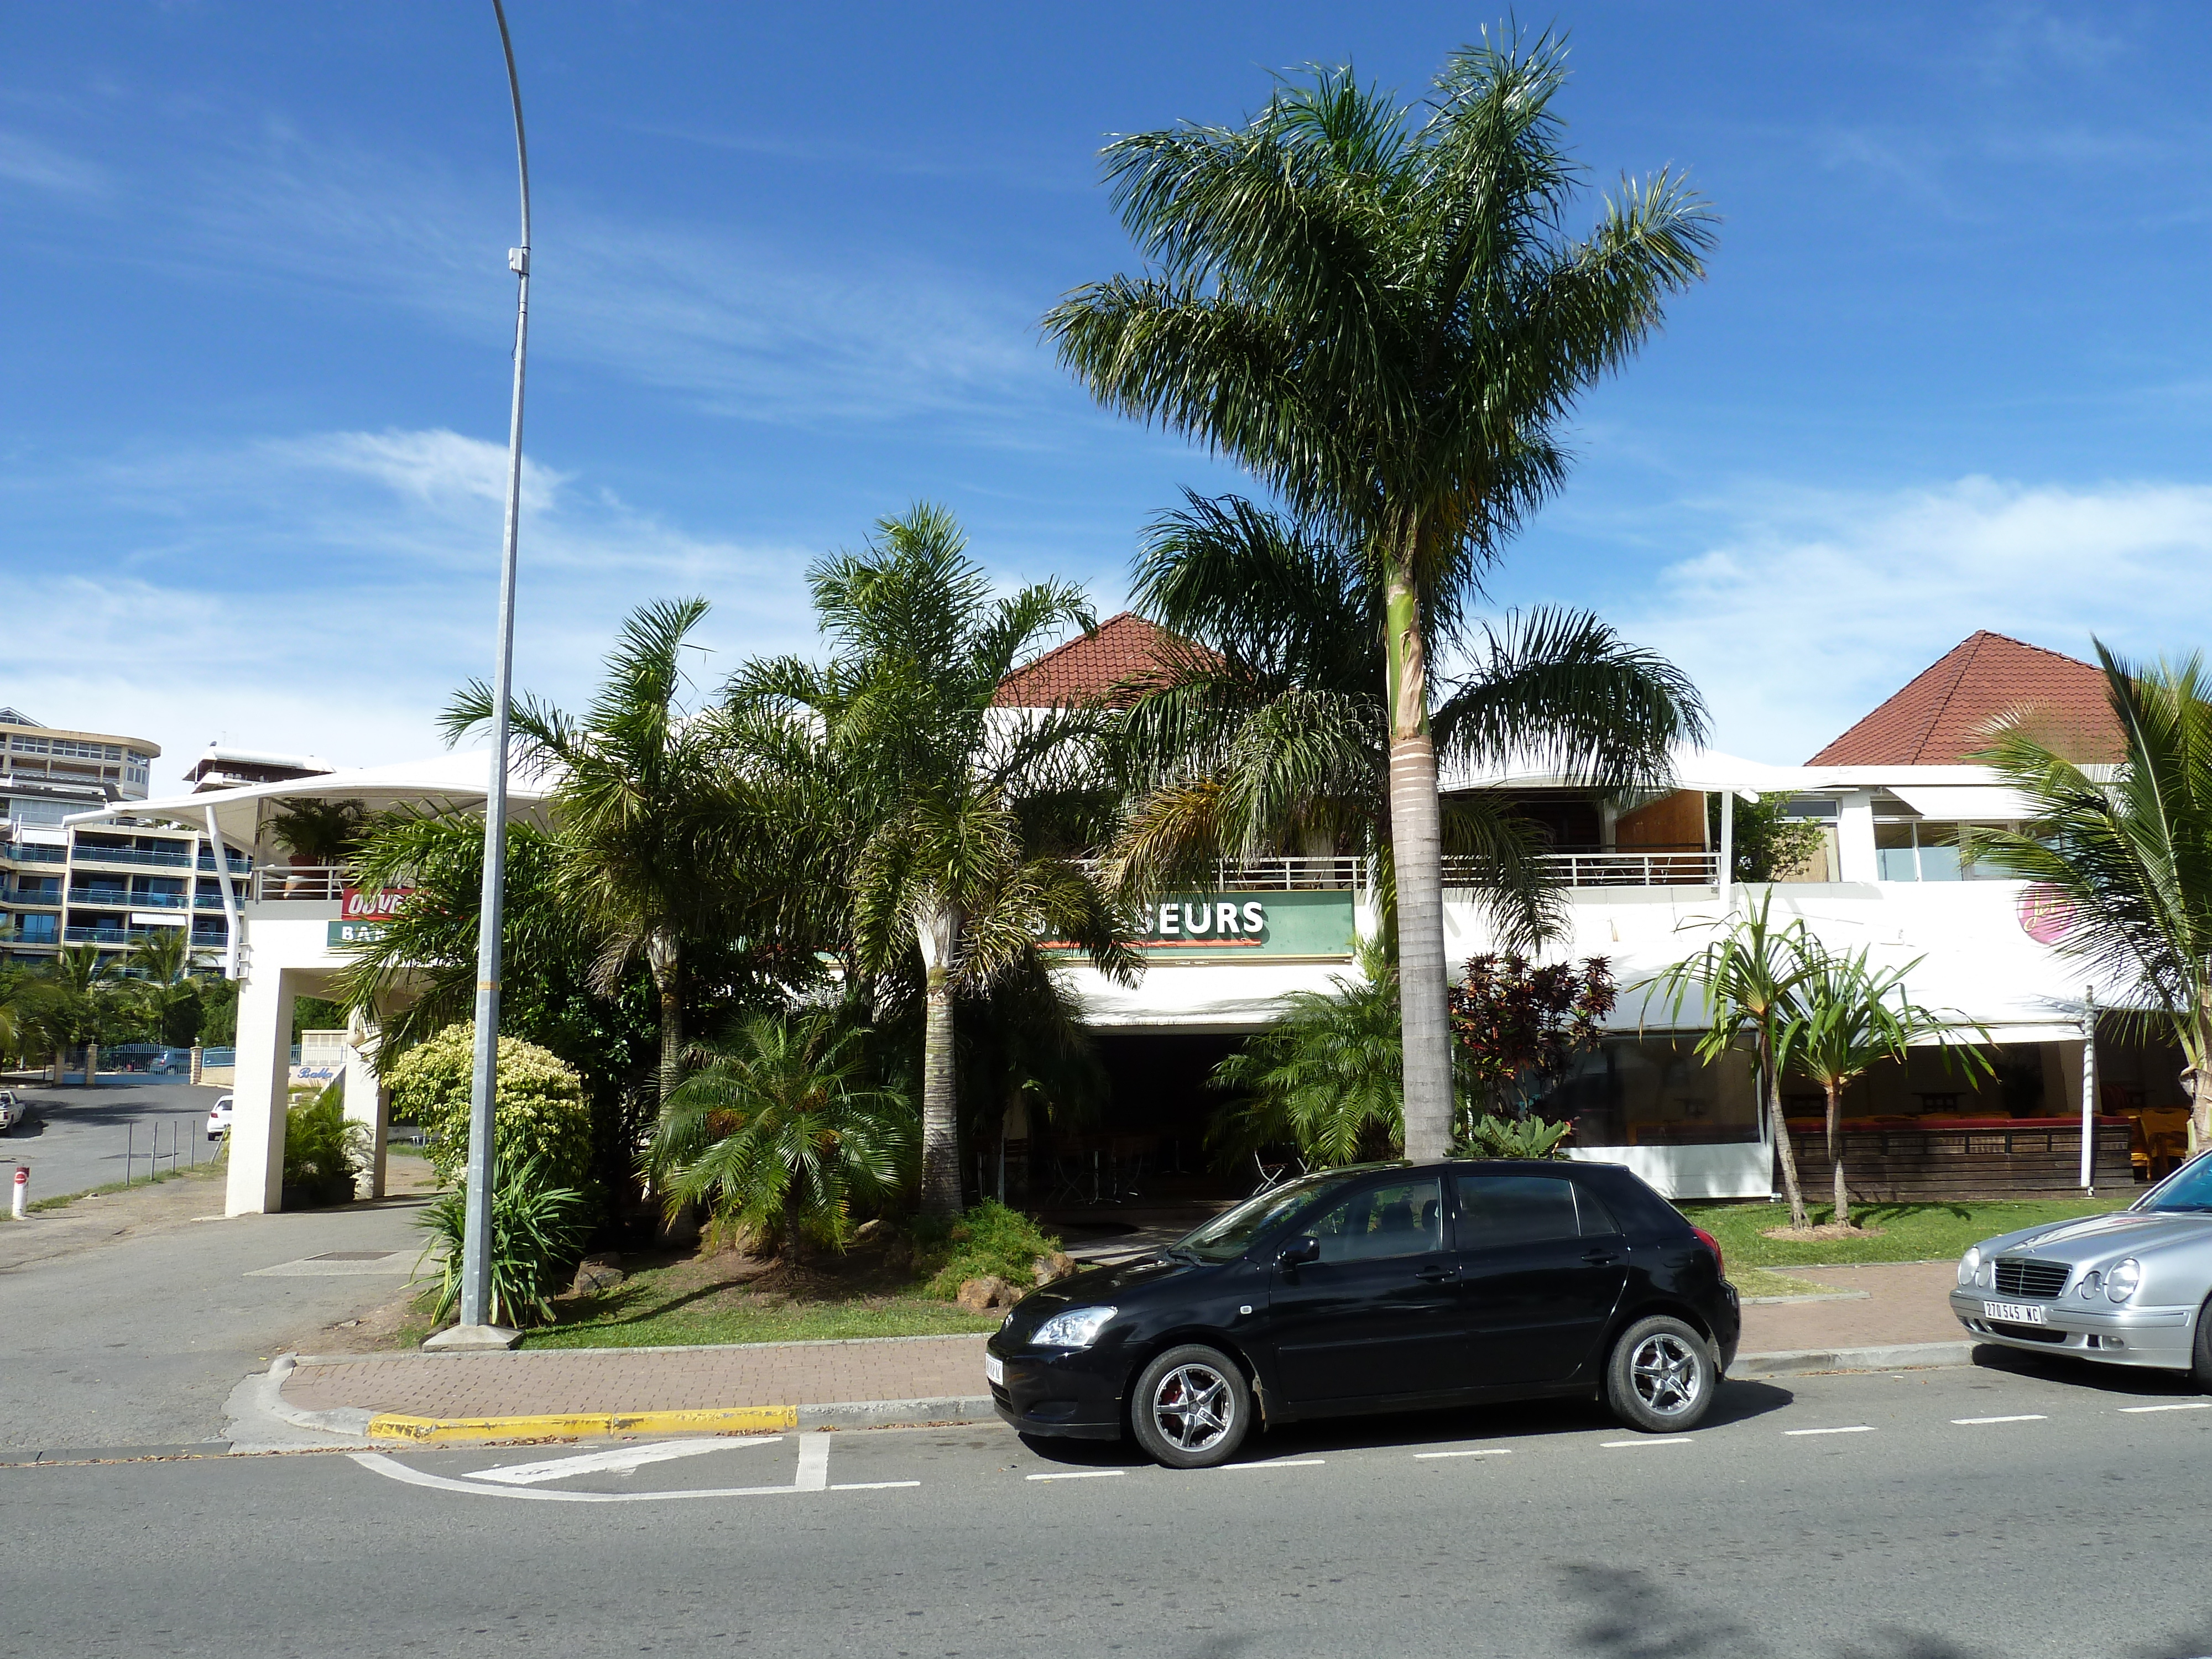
(1597, 1221)
(1402, 1217)
(1495, 1210)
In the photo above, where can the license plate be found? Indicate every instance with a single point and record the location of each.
(2015, 1313)
(994, 1369)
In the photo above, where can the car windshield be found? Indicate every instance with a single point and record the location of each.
(1229, 1236)
(2188, 1190)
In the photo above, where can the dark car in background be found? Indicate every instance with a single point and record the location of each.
(1381, 1288)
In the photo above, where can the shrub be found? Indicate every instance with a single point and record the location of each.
(1505, 1137)
(539, 1111)
(989, 1241)
(322, 1150)
(538, 1232)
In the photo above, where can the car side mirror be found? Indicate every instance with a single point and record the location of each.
(1299, 1251)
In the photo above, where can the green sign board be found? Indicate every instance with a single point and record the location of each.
(356, 933)
(1247, 927)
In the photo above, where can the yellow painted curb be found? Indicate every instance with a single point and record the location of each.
(433, 1431)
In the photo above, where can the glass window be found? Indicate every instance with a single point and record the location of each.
(1597, 1221)
(1229, 1236)
(1939, 851)
(1893, 853)
(1514, 1210)
(1639, 1092)
(1400, 1218)
(2188, 1190)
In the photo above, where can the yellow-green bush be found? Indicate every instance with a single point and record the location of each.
(540, 1109)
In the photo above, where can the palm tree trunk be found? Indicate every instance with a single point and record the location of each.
(662, 956)
(2200, 1081)
(1843, 1215)
(1417, 851)
(1782, 1148)
(937, 932)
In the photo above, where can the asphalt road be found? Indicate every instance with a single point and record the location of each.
(82, 1136)
(2012, 1513)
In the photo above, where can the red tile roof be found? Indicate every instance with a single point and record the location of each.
(1112, 666)
(1944, 715)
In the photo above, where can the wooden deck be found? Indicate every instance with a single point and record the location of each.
(1991, 1159)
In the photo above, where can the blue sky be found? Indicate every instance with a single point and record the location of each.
(1950, 370)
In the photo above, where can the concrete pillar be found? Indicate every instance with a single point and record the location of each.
(1854, 858)
(261, 1093)
(367, 1105)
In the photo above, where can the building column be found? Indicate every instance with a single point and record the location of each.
(367, 1105)
(1854, 852)
(261, 1093)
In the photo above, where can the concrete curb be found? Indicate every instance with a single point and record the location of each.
(258, 1417)
(387, 1427)
(1813, 1361)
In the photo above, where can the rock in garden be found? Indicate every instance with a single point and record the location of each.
(593, 1276)
(981, 1295)
(1058, 1265)
(872, 1232)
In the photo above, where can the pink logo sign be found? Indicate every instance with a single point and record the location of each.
(2044, 915)
(379, 905)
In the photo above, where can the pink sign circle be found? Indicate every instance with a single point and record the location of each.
(2044, 915)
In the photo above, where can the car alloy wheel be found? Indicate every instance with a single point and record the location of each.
(1669, 1374)
(1193, 1408)
(1190, 1407)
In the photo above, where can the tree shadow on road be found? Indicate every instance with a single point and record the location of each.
(1624, 1614)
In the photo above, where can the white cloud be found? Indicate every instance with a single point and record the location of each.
(27, 161)
(1809, 608)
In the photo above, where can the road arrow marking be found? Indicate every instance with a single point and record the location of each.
(622, 1460)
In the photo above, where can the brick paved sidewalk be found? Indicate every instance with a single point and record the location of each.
(1904, 1303)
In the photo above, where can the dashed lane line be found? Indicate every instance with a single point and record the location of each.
(1496, 1451)
(2184, 1405)
(1280, 1463)
(1856, 1428)
(1649, 1440)
(1077, 1474)
(1975, 1422)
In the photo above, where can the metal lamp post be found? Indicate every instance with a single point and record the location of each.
(476, 1329)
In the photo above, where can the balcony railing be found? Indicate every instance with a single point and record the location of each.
(318, 883)
(103, 935)
(23, 895)
(208, 899)
(117, 899)
(166, 857)
(239, 865)
(1613, 869)
(32, 851)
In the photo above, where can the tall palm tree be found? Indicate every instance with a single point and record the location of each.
(81, 989)
(1745, 980)
(650, 811)
(159, 967)
(1844, 1017)
(1376, 310)
(1267, 733)
(2130, 858)
(968, 821)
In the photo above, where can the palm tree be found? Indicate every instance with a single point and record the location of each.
(1269, 732)
(1328, 1077)
(81, 987)
(1377, 312)
(650, 811)
(967, 822)
(158, 966)
(779, 1131)
(1746, 979)
(1845, 1015)
(2131, 858)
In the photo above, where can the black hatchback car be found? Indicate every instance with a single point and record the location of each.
(1381, 1288)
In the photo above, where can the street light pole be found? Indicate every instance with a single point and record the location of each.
(475, 1328)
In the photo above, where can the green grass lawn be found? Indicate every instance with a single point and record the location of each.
(1765, 1281)
(1909, 1232)
(666, 1307)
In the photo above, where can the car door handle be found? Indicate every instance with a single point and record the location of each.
(1433, 1275)
(1602, 1258)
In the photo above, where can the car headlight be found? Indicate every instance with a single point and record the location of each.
(1970, 1264)
(2120, 1284)
(2091, 1282)
(1077, 1328)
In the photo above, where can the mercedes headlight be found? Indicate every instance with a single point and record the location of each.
(1077, 1328)
(1970, 1264)
(2120, 1284)
(2091, 1282)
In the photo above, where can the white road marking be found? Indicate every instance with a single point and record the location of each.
(870, 1486)
(622, 1460)
(2186, 1406)
(1501, 1451)
(2024, 1417)
(1649, 1440)
(1076, 1474)
(396, 1471)
(813, 1463)
(1281, 1463)
(1856, 1428)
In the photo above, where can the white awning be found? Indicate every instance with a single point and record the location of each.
(1987, 803)
(451, 783)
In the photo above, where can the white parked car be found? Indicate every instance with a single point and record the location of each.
(12, 1111)
(219, 1119)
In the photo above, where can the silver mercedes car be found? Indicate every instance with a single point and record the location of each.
(2130, 1288)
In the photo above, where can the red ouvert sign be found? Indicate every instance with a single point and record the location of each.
(380, 904)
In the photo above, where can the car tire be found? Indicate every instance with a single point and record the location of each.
(2200, 1352)
(1191, 1408)
(1660, 1377)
